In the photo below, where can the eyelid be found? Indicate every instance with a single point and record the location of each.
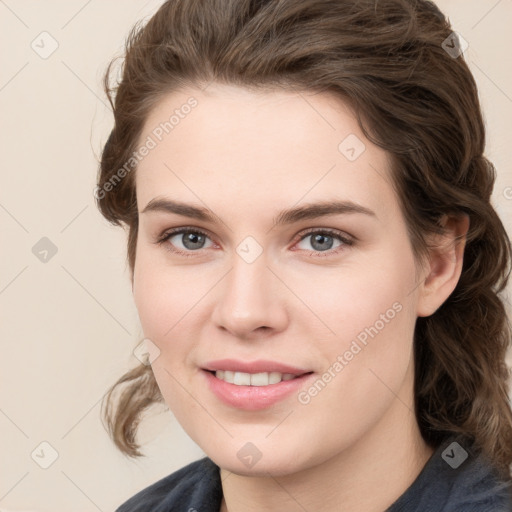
(342, 235)
(177, 231)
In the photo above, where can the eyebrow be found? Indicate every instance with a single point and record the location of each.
(289, 216)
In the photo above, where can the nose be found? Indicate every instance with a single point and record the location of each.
(251, 300)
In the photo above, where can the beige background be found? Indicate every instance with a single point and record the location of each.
(68, 326)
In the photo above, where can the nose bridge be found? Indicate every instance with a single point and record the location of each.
(250, 297)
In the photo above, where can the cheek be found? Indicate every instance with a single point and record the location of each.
(158, 296)
(364, 291)
(368, 315)
(162, 300)
(149, 300)
(164, 295)
(366, 364)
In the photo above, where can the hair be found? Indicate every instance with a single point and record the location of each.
(385, 59)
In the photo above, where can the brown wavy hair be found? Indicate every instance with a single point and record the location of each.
(389, 61)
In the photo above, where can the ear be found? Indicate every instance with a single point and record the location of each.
(444, 264)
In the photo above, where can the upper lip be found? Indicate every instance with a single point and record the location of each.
(258, 366)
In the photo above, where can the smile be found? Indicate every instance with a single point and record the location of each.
(254, 391)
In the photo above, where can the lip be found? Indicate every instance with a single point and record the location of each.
(254, 398)
(258, 366)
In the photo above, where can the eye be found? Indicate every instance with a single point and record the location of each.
(322, 241)
(191, 240)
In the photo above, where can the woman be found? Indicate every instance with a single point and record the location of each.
(315, 261)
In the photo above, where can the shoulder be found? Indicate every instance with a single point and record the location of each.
(479, 488)
(196, 486)
(456, 479)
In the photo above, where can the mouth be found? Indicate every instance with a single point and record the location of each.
(254, 386)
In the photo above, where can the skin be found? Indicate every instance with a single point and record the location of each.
(246, 156)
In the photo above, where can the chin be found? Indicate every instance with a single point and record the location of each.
(249, 461)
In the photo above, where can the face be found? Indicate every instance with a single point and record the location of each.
(326, 294)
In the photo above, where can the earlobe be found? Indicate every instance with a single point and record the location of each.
(444, 265)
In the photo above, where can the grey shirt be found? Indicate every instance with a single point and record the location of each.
(453, 480)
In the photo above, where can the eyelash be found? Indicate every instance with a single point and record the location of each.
(321, 254)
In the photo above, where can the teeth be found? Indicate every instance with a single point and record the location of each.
(274, 378)
(253, 379)
(242, 379)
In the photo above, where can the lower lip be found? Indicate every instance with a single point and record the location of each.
(254, 398)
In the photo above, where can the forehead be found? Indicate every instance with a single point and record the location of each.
(257, 149)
